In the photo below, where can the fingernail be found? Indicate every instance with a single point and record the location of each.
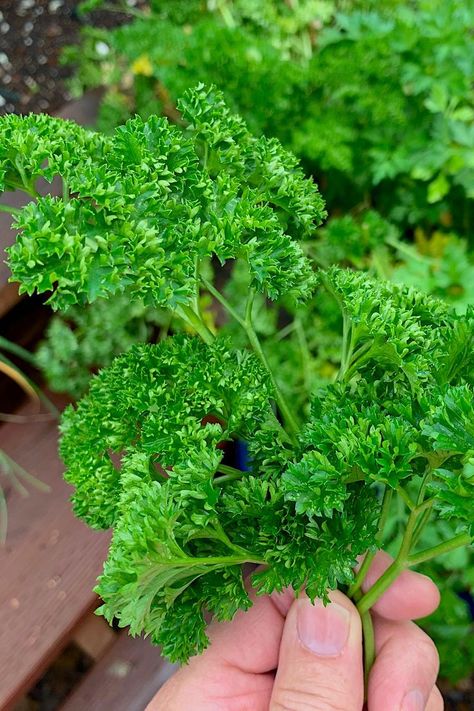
(323, 630)
(414, 700)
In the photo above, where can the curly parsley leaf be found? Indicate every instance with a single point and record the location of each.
(143, 206)
(154, 399)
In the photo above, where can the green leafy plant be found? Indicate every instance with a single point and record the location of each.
(437, 263)
(376, 98)
(440, 265)
(147, 212)
(82, 340)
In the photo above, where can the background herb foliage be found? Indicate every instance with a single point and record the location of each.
(376, 98)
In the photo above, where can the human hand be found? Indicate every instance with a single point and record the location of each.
(288, 655)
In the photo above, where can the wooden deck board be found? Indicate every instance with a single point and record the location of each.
(125, 679)
(48, 566)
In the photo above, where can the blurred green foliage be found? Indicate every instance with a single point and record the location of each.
(376, 98)
(81, 340)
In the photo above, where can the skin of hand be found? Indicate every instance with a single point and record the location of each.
(285, 654)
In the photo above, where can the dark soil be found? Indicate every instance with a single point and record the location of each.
(460, 698)
(32, 35)
(60, 679)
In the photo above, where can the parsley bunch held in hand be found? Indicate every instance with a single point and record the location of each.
(145, 211)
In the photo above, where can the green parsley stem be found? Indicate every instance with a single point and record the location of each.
(425, 505)
(226, 15)
(362, 355)
(369, 647)
(370, 555)
(368, 634)
(227, 477)
(406, 249)
(192, 318)
(377, 590)
(406, 498)
(21, 171)
(246, 324)
(227, 469)
(305, 354)
(393, 571)
(345, 346)
(285, 410)
(216, 560)
(385, 512)
(422, 521)
(223, 301)
(205, 157)
(285, 331)
(229, 474)
(463, 539)
(362, 572)
(14, 185)
(196, 291)
(10, 209)
(347, 332)
(425, 481)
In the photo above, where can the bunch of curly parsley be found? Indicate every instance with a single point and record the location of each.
(145, 212)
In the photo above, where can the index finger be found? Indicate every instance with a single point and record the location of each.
(410, 597)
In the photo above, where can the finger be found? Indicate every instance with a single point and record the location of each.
(435, 702)
(320, 664)
(405, 668)
(411, 596)
(209, 688)
(237, 665)
(252, 640)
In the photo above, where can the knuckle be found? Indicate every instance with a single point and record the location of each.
(168, 697)
(322, 699)
(161, 700)
(435, 702)
(426, 649)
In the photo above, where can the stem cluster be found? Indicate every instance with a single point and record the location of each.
(419, 512)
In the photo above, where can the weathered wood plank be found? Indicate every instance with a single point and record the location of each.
(125, 679)
(48, 566)
(94, 636)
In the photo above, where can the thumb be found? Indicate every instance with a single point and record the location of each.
(320, 662)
